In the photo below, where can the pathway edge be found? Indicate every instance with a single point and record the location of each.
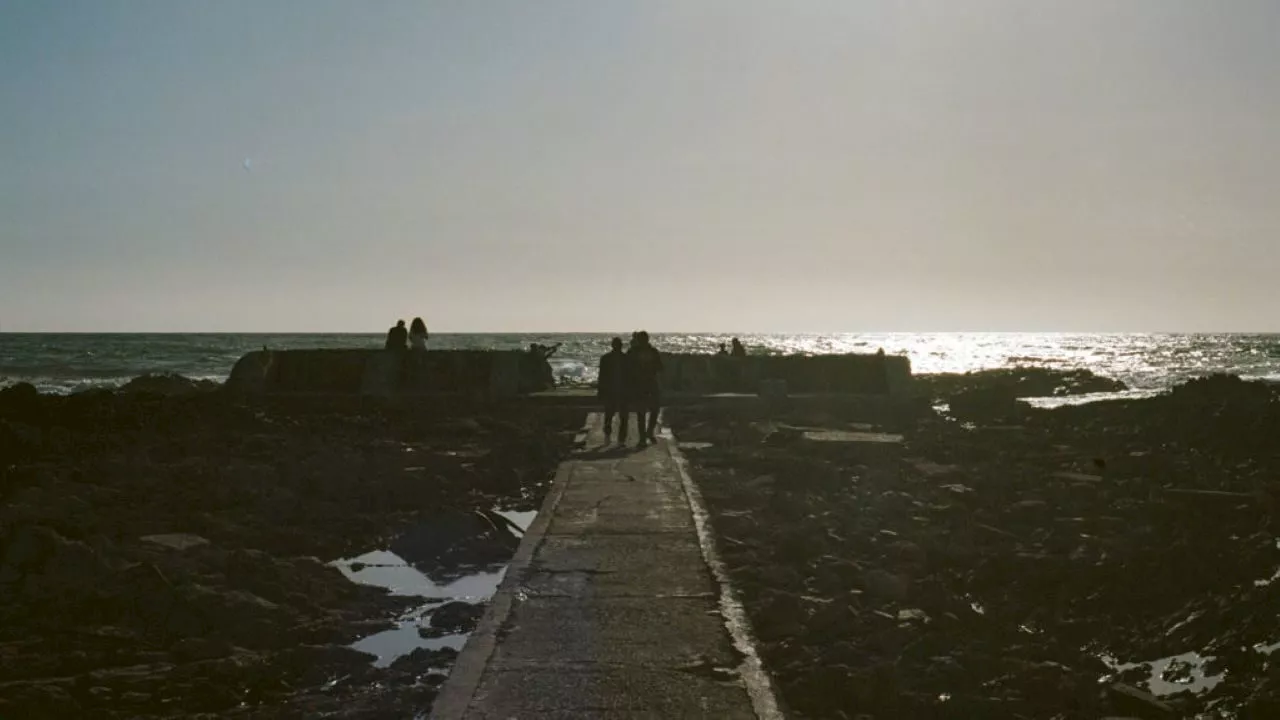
(459, 690)
(759, 686)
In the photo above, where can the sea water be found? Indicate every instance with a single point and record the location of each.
(62, 363)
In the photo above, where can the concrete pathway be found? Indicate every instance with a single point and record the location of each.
(614, 606)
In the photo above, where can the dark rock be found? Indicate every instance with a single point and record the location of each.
(52, 699)
(422, 659)
(167, 384)
(987, 403)
(446, 540)
(21, 400)
(884, 585)
(456, 617)
(1131, 700)
(1019, 382)
(194, 649)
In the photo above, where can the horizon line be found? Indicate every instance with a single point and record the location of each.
(652, 332)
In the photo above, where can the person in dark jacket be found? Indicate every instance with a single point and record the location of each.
(398, 337)
(644, 366)
(612, 389)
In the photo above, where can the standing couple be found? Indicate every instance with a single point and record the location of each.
(629, 383)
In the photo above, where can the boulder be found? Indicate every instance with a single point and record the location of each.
(456, 617)
(21, 400)
(422, 659)
(167, 384)
(1138, 703)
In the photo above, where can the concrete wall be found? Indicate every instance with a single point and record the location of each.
(377, 372)
(825, 374)
(508, 373)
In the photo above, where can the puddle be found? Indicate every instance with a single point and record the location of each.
(695, 445)
(522, 519)
(390, 645)
(385, 569)
(1169, 675)
(848, 436)
(1266, 648)
(1057, 401)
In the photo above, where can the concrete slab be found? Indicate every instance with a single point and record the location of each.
(677, 582)
(627, 522)
(615, 606)
(654, 632)
(625, 564)
(595, 691)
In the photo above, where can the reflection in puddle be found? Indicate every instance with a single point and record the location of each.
(389, 645)
(520, 518)
(1173, 674)
(385, 569)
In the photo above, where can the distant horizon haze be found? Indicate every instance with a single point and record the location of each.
(929, 165)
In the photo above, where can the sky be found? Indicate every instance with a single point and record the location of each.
(590, 165)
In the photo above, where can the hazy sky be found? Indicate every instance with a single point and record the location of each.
(728, 165)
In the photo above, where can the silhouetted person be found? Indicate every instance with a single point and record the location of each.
(398, 337)
(738, 349)
(612, 389)
(536, 368)
(644, 366)
(418, 334)
(882, 372)
(543, 352)
(722, 350)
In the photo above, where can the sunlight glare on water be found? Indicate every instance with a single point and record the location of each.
(1150, 361)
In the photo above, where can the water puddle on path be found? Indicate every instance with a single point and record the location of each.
(385, 569)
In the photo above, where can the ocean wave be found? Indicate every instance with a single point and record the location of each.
(72, 385)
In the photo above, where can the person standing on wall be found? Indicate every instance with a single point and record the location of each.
(645, 367)
(611, 389)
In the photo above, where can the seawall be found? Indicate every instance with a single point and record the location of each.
(377, 372)
(507, 373)
(805, 374)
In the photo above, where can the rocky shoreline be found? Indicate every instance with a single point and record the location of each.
(167, 552)
(1001, 561)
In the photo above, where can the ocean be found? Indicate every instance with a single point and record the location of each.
(1147, 362)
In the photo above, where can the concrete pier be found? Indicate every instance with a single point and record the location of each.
(614, 606)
